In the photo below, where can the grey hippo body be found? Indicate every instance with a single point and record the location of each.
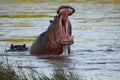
(58, 34)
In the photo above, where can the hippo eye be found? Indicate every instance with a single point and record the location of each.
(24, 45)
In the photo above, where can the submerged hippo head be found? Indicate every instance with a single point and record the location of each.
(62, 31)
(18, 47)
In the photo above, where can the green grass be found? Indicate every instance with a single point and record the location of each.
(26, 15)
(19, 39)
(7, 72)
(65, 1)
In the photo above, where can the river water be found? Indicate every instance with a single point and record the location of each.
(96, 30)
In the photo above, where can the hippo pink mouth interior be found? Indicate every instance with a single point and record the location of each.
(64, 37)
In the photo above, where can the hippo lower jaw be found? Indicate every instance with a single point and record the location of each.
(66, 41)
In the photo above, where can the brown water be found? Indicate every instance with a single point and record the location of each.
(96, 29)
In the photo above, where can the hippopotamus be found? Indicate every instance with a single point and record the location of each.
(58, 35)
(18, 48)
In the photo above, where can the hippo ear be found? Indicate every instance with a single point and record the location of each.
(50, 21)
(24, 45)
(11, 45)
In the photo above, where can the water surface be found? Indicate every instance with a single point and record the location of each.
(96, 29)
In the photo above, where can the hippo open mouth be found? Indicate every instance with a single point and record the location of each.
(64, 37)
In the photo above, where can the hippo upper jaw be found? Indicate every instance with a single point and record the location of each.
(64, 36)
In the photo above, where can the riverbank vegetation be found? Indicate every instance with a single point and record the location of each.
(7, 72)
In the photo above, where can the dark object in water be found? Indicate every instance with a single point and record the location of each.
(110, 50)
(57, 36)
(18, 48)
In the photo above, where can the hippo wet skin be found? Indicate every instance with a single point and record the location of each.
(58, 35)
